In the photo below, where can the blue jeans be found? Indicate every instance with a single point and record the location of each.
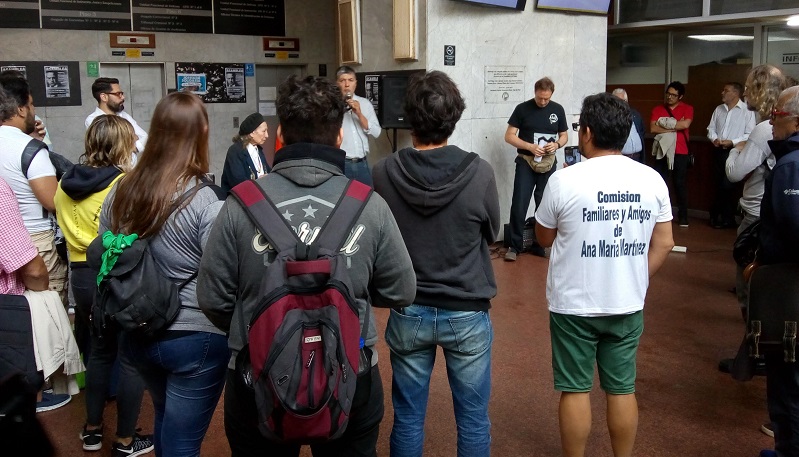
(412, 334)
(185, 374)
(358, 171)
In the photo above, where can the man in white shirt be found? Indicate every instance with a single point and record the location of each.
(730, 124)
(359, 120)
(608, 222)
(110, 100)
(36, 189)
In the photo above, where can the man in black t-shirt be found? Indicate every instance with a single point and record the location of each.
(537, 128)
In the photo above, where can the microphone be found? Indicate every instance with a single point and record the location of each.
(347, 98)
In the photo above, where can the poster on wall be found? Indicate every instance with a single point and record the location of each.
(372, 88)
(234, 82)
(20, 14)
(263, 17)
(56, 81)
(20, 68)
(213, 82)
(51, 83)
(86, 15)
(195, 83)
(187, 16)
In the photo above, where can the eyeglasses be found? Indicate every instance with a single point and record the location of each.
(575, 126)
(671, 94)
(776, 113)
(116, 94)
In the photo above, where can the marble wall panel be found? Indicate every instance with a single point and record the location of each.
(569, 48)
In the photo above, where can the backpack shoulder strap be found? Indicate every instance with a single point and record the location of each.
(29, 153)
(339, 224)
(263, 212)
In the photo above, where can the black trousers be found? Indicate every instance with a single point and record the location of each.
(782, 394)
(526, 184)
(723, 209)
(679, 177)
(359, 439)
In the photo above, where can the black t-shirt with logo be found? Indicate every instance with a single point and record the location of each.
(538, 125)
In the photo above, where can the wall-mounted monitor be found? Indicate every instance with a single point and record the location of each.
(577, 6)
(512, 4)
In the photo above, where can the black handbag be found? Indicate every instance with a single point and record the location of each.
(773, 310)
(744, 250)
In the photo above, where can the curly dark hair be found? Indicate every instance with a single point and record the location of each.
(433, 105)
(310, 110)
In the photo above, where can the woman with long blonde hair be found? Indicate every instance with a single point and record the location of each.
(184, 369)
(110, 142)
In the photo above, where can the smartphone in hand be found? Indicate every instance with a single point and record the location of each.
(571, 155)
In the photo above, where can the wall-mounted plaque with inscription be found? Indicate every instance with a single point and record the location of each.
(86, 14)
(262, 17)
(187, 16)
(20, 14)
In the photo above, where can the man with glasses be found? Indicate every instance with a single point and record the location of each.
(110, 100)
(730, 124)
(779, 244)
(683, 114)
(537, 128)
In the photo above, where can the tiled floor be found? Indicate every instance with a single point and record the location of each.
(687, 408)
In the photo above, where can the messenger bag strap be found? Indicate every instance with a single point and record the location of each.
(685, 135)
(33, 147)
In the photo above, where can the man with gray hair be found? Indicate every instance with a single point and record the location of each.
(634, 146)
(359, 120)
(778, 244)
(751, 159)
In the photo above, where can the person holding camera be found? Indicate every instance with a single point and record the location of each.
(537, 128)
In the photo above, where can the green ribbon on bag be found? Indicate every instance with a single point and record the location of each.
(114, 245)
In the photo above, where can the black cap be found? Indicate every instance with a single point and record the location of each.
(251, 123)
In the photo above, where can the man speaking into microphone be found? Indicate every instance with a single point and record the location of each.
(359, 120)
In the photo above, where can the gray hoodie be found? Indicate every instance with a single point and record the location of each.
(305, 184)
(446, 204)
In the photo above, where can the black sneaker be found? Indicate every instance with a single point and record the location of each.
(92, 439)
(683, 221)
(141, 444)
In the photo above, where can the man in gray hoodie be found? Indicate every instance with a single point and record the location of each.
(305, 184)
(446, 204)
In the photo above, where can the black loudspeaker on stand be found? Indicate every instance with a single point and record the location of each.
(392, 98)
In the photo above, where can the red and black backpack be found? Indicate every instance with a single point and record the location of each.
(304, 338)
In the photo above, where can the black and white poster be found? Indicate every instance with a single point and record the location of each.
(20, 68)
(213, 82)
(234, 82)
(56, 81)
(372, 88)
(52, 83)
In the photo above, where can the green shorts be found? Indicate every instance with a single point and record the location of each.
(611, 341)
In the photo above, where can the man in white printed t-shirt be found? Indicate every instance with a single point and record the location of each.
(608, 222)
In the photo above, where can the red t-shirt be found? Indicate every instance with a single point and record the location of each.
(681, 112)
